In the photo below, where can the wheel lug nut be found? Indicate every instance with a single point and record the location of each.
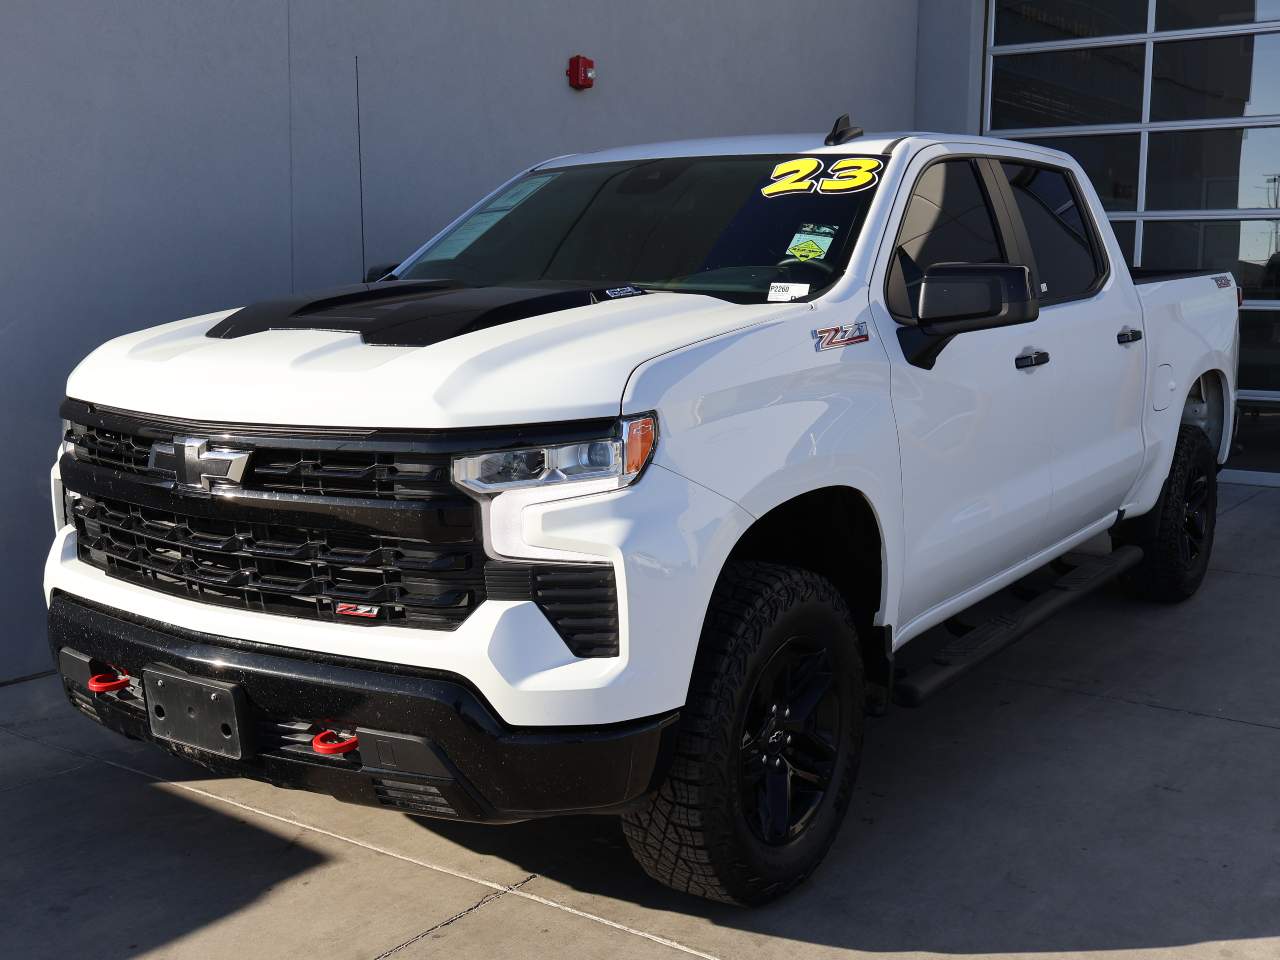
(774, 709)
(786, 714)
(788, 739)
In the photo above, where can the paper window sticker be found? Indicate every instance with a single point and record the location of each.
(786, 292)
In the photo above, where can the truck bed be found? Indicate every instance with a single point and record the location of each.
(1145, 275)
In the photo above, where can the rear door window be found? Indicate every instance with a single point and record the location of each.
(1068, 260)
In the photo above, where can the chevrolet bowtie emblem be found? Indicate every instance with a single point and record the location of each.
(198, 466)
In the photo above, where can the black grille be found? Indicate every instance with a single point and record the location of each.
(580, 600)
(399, 545)
(398, 476)
(274, 568)
(110, 448)
(302, 469)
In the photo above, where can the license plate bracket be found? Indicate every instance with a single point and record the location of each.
(194, 711)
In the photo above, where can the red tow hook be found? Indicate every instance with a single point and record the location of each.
(330, 743)
(106, 682)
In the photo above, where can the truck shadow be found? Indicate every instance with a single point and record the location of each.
(1003, 817)
(100, 863)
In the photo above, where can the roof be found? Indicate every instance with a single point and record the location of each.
(783, 143)
(793, 143)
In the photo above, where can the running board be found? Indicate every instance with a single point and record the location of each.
(1087, 573)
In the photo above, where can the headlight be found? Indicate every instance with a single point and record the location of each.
(620, 458)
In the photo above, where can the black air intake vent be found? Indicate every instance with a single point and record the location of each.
(580, 600)
(421, 798)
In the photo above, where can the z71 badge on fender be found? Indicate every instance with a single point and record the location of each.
(828, 338)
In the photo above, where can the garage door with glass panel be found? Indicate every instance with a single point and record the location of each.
(1173, 109)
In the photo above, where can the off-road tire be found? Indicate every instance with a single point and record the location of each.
(692, 834)
(1172, 568)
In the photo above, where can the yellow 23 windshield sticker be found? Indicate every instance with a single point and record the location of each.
(844, 175)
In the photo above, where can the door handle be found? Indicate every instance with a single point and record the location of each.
(1037, 358)
(1128, 335)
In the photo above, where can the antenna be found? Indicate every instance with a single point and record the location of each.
(842, 132)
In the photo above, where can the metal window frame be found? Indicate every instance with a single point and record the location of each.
(1144, 127)
(1130, 39)
(1153, 126)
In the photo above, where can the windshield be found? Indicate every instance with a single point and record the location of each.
(744, 228)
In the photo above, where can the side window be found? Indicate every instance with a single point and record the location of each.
(948, 220)
(1062, 242)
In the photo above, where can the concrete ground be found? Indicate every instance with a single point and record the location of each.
(1110, 785)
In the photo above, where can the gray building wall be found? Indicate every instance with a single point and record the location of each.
(949, 65)
(161, 160)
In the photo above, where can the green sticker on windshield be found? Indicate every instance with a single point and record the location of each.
(812, 241)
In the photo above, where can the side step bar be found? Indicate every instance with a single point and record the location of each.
(984, 641)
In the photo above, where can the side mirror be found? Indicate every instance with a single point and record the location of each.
(959, 297)
(376, 273)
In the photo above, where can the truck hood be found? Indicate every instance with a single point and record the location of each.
(416, 356)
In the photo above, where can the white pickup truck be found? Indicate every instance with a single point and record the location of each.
(624, 491)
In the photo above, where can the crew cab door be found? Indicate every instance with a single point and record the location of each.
(1092, 322)
(977, 478)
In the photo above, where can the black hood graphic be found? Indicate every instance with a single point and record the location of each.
(408, 313)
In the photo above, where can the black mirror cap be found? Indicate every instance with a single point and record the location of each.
(376, 273)
(959, 297)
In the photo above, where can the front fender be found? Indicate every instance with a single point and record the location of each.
(667, 539)
(761, 417)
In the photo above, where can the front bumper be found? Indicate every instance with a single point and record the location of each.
(507, 649)
(440, 748)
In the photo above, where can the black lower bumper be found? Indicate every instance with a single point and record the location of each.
(429, 743)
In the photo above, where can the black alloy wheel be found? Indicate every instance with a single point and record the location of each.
(1195, 516)
(790, 741)
(768, 744)
(1177, 535)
